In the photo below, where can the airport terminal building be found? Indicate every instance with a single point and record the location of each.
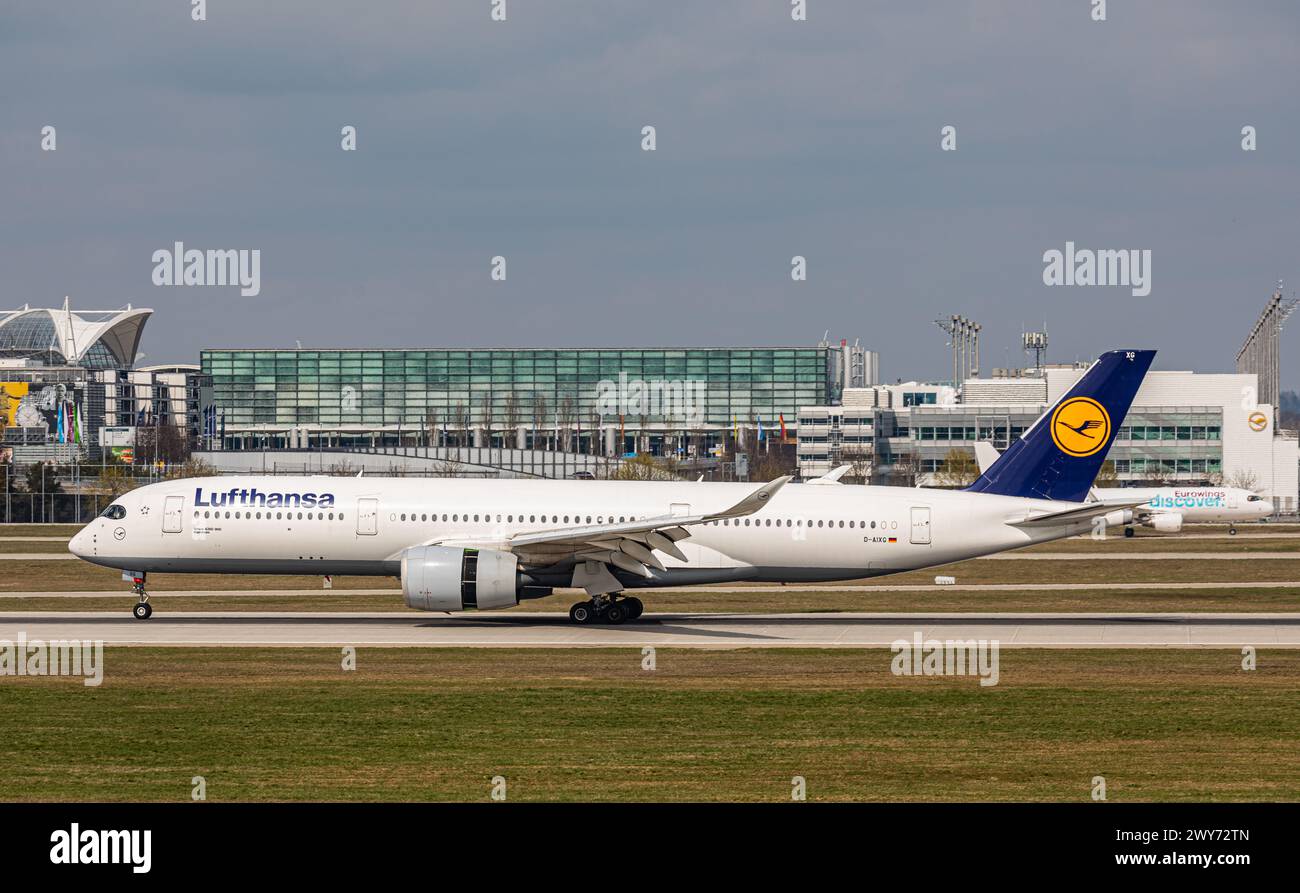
(70, 387)
(596, 401)
(1183, 427)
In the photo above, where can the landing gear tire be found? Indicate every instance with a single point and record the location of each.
(1232, 531)
(633, 606)
(142, 610)
(582, 612)
(615, 613)
(1129, 531)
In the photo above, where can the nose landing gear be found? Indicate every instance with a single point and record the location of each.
(142, 610)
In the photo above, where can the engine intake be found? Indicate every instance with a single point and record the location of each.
(1166, 522)
(444, 578)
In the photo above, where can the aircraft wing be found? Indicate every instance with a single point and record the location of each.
(1082, 512)
(629, 546)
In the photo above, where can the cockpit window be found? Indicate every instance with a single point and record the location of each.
(1253, 498)
(116, 512)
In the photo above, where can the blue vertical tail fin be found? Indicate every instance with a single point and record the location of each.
(1061, 453)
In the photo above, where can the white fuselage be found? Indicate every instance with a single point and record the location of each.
(333, 525)
(1195, 504)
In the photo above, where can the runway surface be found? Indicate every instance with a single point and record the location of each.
(1149, 585)
(676, 630)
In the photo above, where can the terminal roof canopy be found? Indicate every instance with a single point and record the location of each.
(93, 338)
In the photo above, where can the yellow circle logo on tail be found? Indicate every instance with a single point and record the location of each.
(1080, 427)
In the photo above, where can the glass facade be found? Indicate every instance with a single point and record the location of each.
(1169, 443)
(31, 334)
(342, 397)
(1184, 442)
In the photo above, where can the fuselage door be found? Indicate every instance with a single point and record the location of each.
(173, 506)
(921, 525)
(367, 516)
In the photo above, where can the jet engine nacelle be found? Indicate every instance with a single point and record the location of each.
(1117, 518)
(1166, 522)
(444, 578)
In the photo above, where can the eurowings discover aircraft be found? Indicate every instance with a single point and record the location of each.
(1166, 509)
(460, 544)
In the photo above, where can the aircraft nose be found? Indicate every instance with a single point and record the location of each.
(79, 545)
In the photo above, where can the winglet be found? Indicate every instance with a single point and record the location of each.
(833, 476)
(753, 502)
(985, 455)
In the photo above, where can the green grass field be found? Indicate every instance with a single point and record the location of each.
(9, 530)
(410, 724)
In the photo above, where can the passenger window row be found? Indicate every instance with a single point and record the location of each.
(532, 519)
(485, 518)
(270, 516)
(800, 522)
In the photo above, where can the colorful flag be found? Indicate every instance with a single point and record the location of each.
(76, 423)
(781, 416)
(760, 428)
(59, 435)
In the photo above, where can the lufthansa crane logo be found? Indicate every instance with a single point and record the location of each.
(1080, 427)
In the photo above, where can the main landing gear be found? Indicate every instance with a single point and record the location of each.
(142, 610)
(606, 609)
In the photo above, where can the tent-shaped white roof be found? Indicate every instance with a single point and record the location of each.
(73, 333)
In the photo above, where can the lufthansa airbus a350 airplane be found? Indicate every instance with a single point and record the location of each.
(460, 544)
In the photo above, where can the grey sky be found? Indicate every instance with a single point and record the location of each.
(775, 138)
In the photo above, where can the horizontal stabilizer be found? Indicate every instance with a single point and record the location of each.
(1083, 512)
